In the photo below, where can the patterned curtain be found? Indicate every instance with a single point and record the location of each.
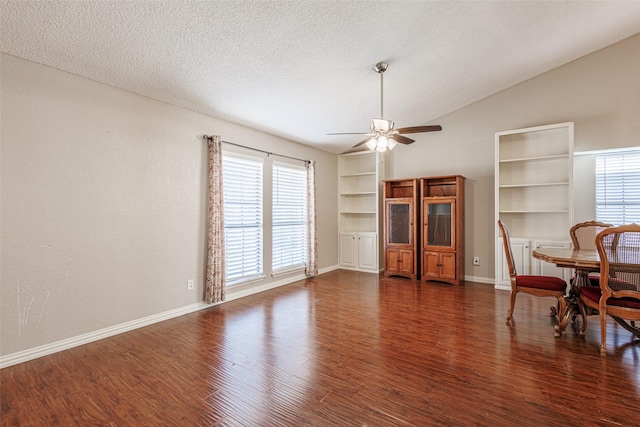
(215, 277)
(312, 254)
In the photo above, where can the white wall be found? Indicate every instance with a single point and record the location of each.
(600, 93)
(103, 204)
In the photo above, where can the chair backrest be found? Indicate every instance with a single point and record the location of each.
(619, 250)
(583, 235)
(507, 249)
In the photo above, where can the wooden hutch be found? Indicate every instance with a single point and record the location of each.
(442, 228)
(401, 237)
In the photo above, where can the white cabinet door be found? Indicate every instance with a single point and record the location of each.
(349, 250)
(542, 268)
(521, 249)
(359, 250)
(367, 251)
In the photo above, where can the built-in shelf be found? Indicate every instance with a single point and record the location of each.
(362, 193)
(535, 159)
(534, 211)
(358, 212)
(544, 184)
(357, 174)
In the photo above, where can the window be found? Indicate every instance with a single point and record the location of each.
(289, 217)
(618, 187)
(242, 182)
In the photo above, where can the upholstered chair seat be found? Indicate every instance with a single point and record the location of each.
(594, 293)
(542, 282)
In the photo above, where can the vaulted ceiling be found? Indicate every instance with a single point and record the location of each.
(301, 69)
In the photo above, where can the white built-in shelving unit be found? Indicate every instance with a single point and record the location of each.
(360, 176)
(533, 195)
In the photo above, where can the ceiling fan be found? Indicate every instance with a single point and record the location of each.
(383, 136)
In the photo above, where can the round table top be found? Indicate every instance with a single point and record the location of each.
(568, 257)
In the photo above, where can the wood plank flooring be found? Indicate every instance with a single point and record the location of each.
(342, 349)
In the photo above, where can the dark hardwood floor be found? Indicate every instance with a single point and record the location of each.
(341, 349)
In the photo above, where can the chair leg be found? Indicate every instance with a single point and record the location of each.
(603, 331)
(512, 304)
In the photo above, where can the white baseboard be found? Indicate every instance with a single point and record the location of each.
(362, 270)
(47, 349)
(487, 280)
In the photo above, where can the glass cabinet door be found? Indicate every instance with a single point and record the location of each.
(400, 221)
(439, 230)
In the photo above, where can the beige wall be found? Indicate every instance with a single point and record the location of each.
(600, 93)
(103, 204)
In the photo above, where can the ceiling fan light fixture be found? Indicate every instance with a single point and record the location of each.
(381, 143)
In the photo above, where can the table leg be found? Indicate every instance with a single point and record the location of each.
(568, 307)
(571, 306)
(582, 279)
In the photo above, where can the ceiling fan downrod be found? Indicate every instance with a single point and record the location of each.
(380, 68)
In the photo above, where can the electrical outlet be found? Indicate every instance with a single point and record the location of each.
(189, 285)
(476, 260)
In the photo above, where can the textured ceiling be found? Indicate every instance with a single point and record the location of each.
(300, 69)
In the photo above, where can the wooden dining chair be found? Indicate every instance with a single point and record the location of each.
(618, 293)
(541, 286)
(583, 236)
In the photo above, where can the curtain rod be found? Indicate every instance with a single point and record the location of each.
(268, 153)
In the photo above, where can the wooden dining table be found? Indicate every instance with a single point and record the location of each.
(584, 261)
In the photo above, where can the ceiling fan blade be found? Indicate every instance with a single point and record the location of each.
(350, 133)
(403, 139)
(364, 141)
(355, 150)
(419, 129)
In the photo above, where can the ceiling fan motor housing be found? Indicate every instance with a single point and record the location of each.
(382, 125)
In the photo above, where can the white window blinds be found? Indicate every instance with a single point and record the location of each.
(618, 187)
(242, 181)
(289, 217)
